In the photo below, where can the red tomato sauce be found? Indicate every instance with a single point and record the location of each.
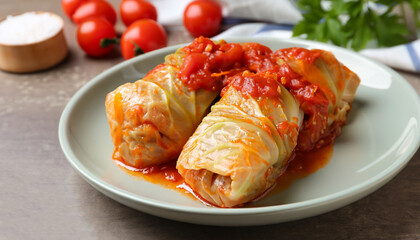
(312, 100)
(304, 164)
(166, 175)
(206, 63)
(303, 54)
(256, 85)
(258, 58)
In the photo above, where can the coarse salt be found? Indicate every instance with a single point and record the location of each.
(30, 27)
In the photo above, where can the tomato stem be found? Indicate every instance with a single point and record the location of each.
(106, 42)
(137, 49)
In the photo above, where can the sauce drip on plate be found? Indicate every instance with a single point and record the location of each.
(166, 175)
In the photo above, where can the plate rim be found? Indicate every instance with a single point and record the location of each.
(372, 183)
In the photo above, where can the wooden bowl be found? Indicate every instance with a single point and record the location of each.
(36, 56)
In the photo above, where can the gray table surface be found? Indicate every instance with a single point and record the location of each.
(42, 197)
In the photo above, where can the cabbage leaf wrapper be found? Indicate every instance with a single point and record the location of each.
(151, 119)
(325, 92)
(241, 147)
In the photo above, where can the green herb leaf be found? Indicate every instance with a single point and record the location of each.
(335, 31)
(353, 23)
(415, 5)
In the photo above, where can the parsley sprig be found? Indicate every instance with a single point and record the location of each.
(354, 23)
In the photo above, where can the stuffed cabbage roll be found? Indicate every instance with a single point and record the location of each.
(322, 85)
(151, 119)
(244, 143)
(324, 88)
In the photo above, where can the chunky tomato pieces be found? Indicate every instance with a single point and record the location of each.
(206, 63)
(256, 85)
(211, 66)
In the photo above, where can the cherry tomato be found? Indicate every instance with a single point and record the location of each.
(70, 6)
(141, 36)
(90, 34)
(94, 8)
(203, 18)
(133, 10)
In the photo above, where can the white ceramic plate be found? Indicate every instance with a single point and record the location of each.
(381, 136)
